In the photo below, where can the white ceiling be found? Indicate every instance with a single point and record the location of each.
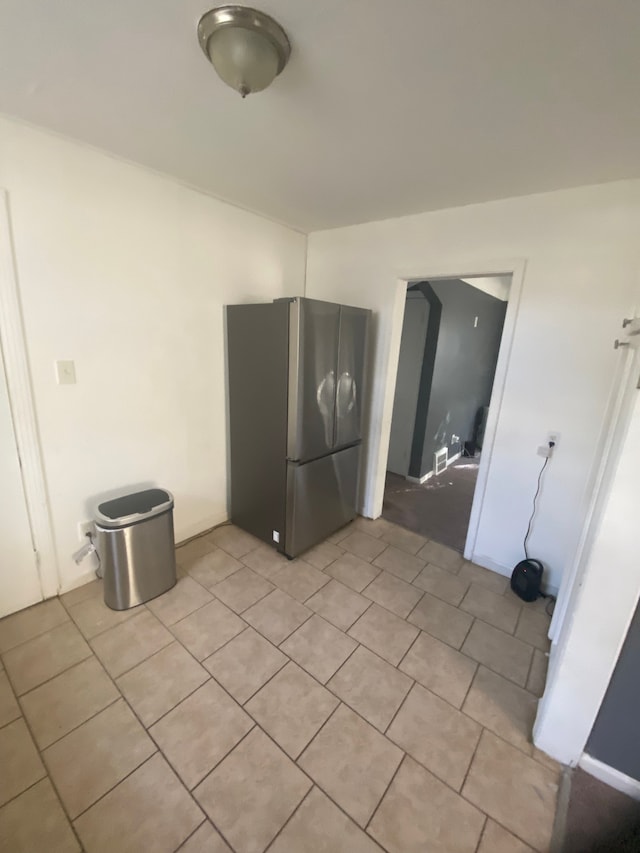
(384, 109)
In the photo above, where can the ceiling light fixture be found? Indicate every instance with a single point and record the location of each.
(247, 48)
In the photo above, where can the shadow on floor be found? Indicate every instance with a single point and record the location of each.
(438, 509)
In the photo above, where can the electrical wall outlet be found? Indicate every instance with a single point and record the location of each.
(553, 437)
(65, 373)
(85, 527)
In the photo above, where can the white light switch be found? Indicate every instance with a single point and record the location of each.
(65, 373)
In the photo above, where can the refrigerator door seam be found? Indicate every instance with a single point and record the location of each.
(335, 395)
(293, 401)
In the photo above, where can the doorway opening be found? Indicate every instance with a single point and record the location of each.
(451, 338)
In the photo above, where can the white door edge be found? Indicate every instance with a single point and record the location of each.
(23, 409)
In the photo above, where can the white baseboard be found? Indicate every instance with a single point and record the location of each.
(420, 480)
(193, 530)
(488, 563)
(78, 580)
(429, 474)
(185, 535)
(620, 781)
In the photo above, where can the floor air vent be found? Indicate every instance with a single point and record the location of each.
(440, 458)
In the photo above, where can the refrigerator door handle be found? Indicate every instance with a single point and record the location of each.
(347, 393)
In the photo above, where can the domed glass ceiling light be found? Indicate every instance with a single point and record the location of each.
(247, 48)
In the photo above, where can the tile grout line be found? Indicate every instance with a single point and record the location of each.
(309, 777)
(253, 603)
(385, 792)
(255, 692)
(471, 624)
(138, 610)
(407, 618)
(8, 723)
(168, 625)
(225, 644)
(12, 799)
(51, 677)
(515, 630)
(289, 819)
(215, 766)
(155, 752)
(290, 634)
(481, 836)
(397, 711)
(139, 663)
(470, 765)
(411, 645)
(5, 652)
(468, 690)
(173, 707)
(75, 728)
(146, 731)
(311, 740)
(190, 836)
(18, 698)
(292, 760)
(64, 624)
(158, 750)
(49, 777)
(515, 834)
(357, 619)
(529, 668)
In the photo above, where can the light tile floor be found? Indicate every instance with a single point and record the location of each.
(376, 694)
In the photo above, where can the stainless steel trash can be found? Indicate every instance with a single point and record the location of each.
(136, 547)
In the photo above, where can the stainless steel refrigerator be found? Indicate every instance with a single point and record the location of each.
(295, 395)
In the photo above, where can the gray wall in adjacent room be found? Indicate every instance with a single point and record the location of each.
(615, 739)
(414, 329)
(464, 366)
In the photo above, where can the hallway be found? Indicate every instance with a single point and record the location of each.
(439, 508)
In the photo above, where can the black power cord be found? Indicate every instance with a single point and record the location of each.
(535, 499)
(550, 605)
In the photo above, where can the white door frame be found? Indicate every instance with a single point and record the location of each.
(600, 593)
(516, 269)
(23, 413)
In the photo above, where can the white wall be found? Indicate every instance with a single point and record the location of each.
(126, 273)
(581, 252)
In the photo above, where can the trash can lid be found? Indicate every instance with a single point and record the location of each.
(130, 509)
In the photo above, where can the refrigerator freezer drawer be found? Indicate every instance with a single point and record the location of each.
(321, 498)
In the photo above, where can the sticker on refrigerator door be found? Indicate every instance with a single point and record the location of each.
(276, 536)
